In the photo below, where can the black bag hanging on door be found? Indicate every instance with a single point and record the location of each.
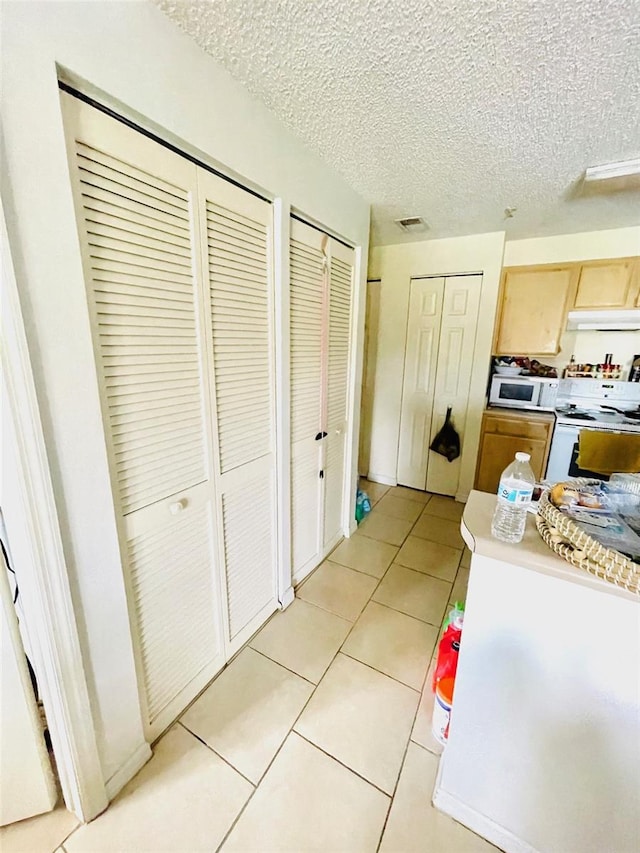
(447, 440)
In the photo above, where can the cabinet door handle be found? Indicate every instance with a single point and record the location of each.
(178, 506)
(321, 435)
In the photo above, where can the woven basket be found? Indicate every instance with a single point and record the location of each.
(580, 549)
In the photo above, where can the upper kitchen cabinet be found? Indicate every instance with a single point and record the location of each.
(606, 284)
(532, 309)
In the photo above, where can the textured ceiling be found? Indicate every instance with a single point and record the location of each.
(449, 109)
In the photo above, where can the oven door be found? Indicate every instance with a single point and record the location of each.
(563, 458)
(576, 471)
(565, 438)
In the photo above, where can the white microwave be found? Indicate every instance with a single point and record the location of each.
(523, 392)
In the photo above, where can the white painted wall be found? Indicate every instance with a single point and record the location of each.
(584, 246)
(591, 347)
(131, 52)
(544, 746)
(395, 265)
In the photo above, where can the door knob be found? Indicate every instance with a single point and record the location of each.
(177, 506)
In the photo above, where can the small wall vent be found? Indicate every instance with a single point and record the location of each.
(412, 224)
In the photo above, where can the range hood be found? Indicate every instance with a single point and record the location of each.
(615, 320)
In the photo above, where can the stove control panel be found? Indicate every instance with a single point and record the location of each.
(572, 390)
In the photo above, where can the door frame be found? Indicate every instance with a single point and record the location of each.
(369, 357)
(36, 544)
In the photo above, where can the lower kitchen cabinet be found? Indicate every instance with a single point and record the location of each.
(505, 433)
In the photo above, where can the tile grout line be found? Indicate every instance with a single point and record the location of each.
(417, 706)
(425, 574)
(406, 749)
(277, 662)
(395, 610)
(379, 671)
(360, 572)
(312, 694)
(215, 752)
(279, 750)
(342, 764)
(286, 737)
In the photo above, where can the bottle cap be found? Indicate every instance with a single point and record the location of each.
(523, 457)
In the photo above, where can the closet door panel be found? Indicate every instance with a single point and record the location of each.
(418, 389)
(308, 266)
(136, 209)
(338, 352)
(148, 336)
(306, 517)
(171, 586)
(453, 377)
(237, 256)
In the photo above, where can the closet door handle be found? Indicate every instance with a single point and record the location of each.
(177, 506)
(321, 435)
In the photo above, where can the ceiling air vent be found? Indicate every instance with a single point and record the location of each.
(412, 224)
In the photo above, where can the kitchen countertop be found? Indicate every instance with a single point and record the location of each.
(535, 415)
(532, 553)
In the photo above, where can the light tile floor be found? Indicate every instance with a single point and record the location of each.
(317, 736)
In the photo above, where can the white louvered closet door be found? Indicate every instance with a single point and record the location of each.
(136, 210)
(337, 380)
(236, 230)
(308, 274)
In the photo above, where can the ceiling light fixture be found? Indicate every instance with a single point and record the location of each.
(611, 177)
(412, 224)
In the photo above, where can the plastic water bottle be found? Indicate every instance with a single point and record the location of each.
(514, 496)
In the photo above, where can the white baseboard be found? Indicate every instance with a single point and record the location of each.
(128, 770)
(287, 598)
(381, 478)
(479, 823)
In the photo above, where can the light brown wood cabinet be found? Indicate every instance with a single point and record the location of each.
(505, 433)
(534, 301)
(533, 305)
(606, 284)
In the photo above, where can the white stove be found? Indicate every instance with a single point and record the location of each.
(589, 404)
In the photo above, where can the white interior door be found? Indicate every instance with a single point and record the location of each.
(338, 350)
(236, 229)
(27, 787)
(418, 387)
(308, 270)
(137, 211)
(453, 375)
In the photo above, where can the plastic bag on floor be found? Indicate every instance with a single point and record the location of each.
(363, 505)
(449, 646)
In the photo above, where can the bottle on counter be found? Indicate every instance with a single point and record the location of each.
(514, 496)
(571, 368)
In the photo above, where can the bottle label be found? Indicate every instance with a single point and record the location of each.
(515, 497)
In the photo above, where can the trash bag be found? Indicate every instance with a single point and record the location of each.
(447, 441)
